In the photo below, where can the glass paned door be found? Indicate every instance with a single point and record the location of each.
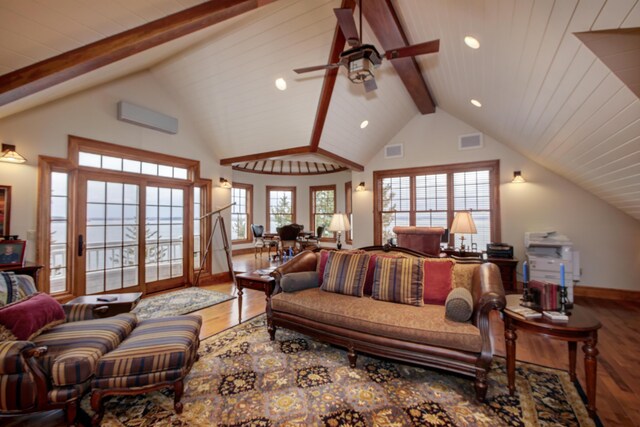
(109, 236)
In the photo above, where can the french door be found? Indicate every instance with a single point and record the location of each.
(130, 234)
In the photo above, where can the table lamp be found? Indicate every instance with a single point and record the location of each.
(463, 223)
(339, 223)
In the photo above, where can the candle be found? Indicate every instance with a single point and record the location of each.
(562, 275)
(524, 271)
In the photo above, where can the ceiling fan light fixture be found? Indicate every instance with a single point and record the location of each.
(472, 42)
(281, 83)
(476, 103)
(364, 124)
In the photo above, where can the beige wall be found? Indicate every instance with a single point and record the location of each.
(607, 238)
(302, 184)
(92, 114)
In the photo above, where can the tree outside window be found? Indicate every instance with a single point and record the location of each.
(241, 218)
(323, 206)
(281, 206)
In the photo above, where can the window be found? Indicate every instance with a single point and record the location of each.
(348, 209)
(281, 205)
(115, 218)
(323, 206)
(241, 212)
(430, 197)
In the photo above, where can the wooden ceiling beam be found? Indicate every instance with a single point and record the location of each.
(50, 72)
(266, 155)
(351, 165)
(384, 22)
(329, 80)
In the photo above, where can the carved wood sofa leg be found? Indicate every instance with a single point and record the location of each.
(178, 390)
(353, 357)
(272, 331)
(97, 406)
(481, 385)
(71, 411)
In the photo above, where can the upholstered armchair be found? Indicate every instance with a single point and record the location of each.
(421, 239)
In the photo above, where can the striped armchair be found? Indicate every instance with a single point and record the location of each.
(55, 368)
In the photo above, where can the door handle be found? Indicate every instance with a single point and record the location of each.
(80, 244)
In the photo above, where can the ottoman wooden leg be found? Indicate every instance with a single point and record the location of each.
(98, 408)
(178, 389)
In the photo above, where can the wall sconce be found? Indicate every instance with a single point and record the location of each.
(517, 177)
(10, 155)
(224, 183)
(361, 187)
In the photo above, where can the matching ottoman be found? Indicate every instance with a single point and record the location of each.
(157, 354)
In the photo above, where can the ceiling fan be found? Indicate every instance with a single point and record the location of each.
(361, 59)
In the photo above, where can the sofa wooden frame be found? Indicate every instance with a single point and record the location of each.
(488, 295)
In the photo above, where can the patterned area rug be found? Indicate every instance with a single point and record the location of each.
(243, 379)
(182, 301)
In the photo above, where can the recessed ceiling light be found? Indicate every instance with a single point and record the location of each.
(472, 42)
(281, 84)
(364, 124)
(476, 103)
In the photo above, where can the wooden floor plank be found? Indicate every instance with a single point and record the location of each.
(618, 392)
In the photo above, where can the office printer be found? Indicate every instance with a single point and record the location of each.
(545, 252)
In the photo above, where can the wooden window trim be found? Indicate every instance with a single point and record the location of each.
(312, 205)
(348, 208)
(69, 165)
(249, 189)
(271, 188)
(494, 172)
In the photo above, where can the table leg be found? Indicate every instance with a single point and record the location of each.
(591, 367)
(510, 341)
(240, 292)
(572, 360)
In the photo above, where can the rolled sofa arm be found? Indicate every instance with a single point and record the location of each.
(78, 312)
(304, 261)
(11, 361)
(488, 295)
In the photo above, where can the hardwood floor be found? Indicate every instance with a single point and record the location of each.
(618, 391)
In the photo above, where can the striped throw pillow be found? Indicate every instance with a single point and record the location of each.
(345, 273)
(399, 280)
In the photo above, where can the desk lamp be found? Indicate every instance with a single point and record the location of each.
(339, 223)
(463, 223)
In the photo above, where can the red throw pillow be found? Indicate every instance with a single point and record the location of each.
(438, 280)
(29, 316)
(368, 283)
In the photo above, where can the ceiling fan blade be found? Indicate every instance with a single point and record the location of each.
(413, 50)
(316, 68)
(348, 25)
(370, 85)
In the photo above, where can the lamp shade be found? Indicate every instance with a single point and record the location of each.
(463, 223)
(339, 222)
(10, 155)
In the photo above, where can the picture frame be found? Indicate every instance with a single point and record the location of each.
(12, 253)
(5, 209)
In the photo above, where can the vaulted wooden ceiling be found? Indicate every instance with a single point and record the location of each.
(544, 93)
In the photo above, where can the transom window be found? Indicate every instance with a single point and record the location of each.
(281, 207)
(130, 166)
(241, 212)
(431, 196)
(323, 206)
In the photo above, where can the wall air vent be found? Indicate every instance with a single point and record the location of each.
(470, 142)
(394, 151)
(145, 117)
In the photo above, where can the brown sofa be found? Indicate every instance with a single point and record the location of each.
(406, 333)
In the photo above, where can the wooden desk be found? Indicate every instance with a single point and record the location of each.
(123, 303)
(582, 326)
(255, 282)
(508, 267)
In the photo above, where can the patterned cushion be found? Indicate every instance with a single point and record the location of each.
(323, 257)
(399, 280)
(459, 305)
(28, 317)
(155, 346)
(8, 288)
(438, 279)
(17, 386)
(368, 283)
(26, 285)
(74, 348)
(345, 273)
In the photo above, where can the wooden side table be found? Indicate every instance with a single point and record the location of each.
(256, 282)
(123, 303)
(582, 327)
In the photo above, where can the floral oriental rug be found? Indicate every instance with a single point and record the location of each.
(182, 301)
(243, 379)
